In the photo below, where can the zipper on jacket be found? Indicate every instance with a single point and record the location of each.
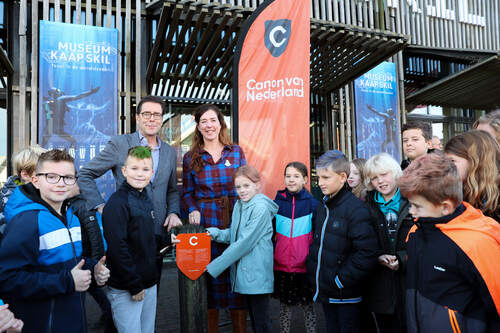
(293, 216)
(52, 303)
(319, 252)
(82, 303)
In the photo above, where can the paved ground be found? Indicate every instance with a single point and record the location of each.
(167, 316)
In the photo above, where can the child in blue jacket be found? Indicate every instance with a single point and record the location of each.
(250, 253)
(43, 275)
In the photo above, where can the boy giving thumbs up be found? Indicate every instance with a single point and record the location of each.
(42, 272)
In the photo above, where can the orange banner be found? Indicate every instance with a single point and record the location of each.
(271, 88)
(193, 254)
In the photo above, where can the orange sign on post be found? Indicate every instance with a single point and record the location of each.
(193, 254)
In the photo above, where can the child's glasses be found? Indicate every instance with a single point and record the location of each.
(54, 178)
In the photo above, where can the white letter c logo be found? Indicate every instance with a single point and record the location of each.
(273, 33)
(192, 241)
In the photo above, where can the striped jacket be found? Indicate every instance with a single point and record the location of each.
(293, 230)
(38, 251)
(453, 273)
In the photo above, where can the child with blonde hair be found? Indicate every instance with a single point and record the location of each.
(24, 164)
(356, 179)
(391, 221)
(477, 155)
(250, 253)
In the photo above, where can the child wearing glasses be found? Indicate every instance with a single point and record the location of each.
(43, 275)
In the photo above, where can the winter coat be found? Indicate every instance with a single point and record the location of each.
(385, 287)
(8, 188)
(250, 253)
(344, 249)
(128, 221)
(37, 254)
(453, 271)
(293, 230)
(93, 243)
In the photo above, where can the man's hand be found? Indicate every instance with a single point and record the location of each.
(81, 278)
(172, 221)
(101, 272)
(139, 296)
(194, 217)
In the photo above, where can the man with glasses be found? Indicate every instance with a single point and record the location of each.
(42, 272)
(162, 189)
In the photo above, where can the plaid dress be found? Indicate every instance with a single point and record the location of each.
(213, 181)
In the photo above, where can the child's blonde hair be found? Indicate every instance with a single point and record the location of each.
(27, 159)
(247, 171)
(381, 163)
(482, 152)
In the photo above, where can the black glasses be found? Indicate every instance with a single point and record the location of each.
(148, 115)
(54, 178)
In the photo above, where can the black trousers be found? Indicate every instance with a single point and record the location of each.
(258, 306)
(342, 318)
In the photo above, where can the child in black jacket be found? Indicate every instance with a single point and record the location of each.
(128, 221)
(344, 248)
(389, 209)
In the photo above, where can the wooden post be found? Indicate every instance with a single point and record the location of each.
(193, 295)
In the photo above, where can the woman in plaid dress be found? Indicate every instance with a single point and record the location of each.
(209, 197)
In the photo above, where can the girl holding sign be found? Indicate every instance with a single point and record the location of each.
(250, 253)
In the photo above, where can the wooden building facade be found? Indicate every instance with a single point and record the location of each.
(182, 50)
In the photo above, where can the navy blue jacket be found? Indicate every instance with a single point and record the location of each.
(128, 221)
(344, 249)
(38, 251)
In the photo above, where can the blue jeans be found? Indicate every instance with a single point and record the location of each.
(342, 318)
(131, 316)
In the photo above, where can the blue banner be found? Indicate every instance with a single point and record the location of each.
(377, 114)
(78, 86)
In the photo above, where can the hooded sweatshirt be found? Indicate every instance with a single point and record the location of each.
(38, 251)
(250, 253)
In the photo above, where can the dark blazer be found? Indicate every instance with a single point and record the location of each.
(163, 189)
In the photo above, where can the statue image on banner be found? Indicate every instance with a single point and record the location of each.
(55, 107)
(376, 106)
(389, 124)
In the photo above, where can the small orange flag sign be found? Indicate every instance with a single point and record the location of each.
(193, 254)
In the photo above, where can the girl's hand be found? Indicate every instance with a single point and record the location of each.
(388, 260)
(174, 239)
(394, 264)
(194, 217)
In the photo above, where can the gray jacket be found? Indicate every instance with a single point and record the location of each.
(163, 189)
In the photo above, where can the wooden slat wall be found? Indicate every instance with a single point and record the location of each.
(427, 26)
(26, 123)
